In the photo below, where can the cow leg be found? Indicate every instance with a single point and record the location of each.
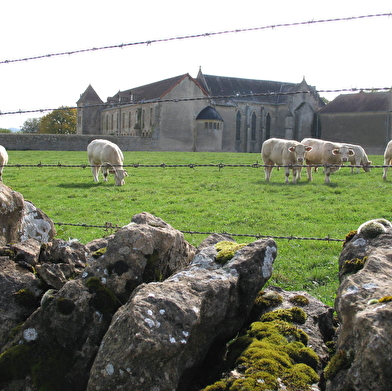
(384, 175)
(296, 171)
(327, 178)
(309, 171)
(95, 171)
(287, 174)
(105, 172)
(268, 171)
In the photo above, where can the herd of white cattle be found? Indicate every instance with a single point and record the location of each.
(291, 154)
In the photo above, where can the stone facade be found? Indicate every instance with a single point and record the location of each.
(361, 118)
(167, 113)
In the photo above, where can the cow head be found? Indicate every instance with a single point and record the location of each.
(300, 151)
(366, 167)
(119, 175)
(344, 153)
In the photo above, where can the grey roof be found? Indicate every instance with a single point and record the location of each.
(89, 96)
(360, 102)
(151, 91)
(224, 86)
(209, 113)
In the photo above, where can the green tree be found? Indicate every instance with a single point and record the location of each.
(59, 121)
(31, 125)
(4, 130)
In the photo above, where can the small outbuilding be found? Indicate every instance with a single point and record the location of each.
(363, 118)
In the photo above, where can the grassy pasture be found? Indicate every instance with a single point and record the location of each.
(208, 199)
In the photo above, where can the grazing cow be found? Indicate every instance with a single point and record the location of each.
(326, 153)
(359, 159)
(285, 153)
(3, 160)
(387, 159)
(105, 154)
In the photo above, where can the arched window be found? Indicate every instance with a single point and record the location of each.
(253, 127)
(268, 126)
(238, 126)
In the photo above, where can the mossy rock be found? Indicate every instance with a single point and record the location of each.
(353, 265)
(294, 314)
(26, 298)
(104, 300)
(99, 252)
(268, 299)
(65, 306)
(300, 300)
(340, 361)
(385, 299)
(226, 250)
(349, 236)
(15, 362)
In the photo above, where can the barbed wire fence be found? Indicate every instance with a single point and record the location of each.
(194, 36)
(109, 226)
(113, 227)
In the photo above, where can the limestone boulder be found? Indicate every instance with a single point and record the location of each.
(158, 339)
(70, 319)
(364, 308)
(21, 220)
(148, 249)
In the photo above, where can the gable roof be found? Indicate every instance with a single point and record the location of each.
(224, 86)
(151, 91)
(360, 102)
(89, 96)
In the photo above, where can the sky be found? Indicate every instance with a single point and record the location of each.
(331, 56)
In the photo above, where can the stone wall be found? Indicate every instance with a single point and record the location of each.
(72, 142)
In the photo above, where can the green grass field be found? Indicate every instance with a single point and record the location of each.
(235, 200)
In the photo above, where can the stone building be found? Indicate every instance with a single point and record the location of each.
(206, 113)
(363, 118)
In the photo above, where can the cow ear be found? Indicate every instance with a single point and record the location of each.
(351, 152)
(335, 151)
(307, 149)
(291, 149)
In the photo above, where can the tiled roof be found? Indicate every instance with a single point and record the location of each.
(359, 103)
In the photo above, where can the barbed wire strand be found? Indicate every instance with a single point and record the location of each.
(110, 226)
(193, 36)
(192, 165)
(215, 97)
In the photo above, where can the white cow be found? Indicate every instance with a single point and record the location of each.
(387, 159)
(359, 159)
(326, 153)
(105, 154)
(288, 153)
(3, 160)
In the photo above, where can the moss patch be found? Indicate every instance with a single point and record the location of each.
(99, 252)
(340, 361)
(299, 300)
(353, 265)
(226, 250)
(65, 306)
(349, 236)
(104, 300)
(268, 351)
(385, 299)
(26, 298)
(294, 314)
(268, 299)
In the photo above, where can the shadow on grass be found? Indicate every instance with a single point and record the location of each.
(86, 185)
